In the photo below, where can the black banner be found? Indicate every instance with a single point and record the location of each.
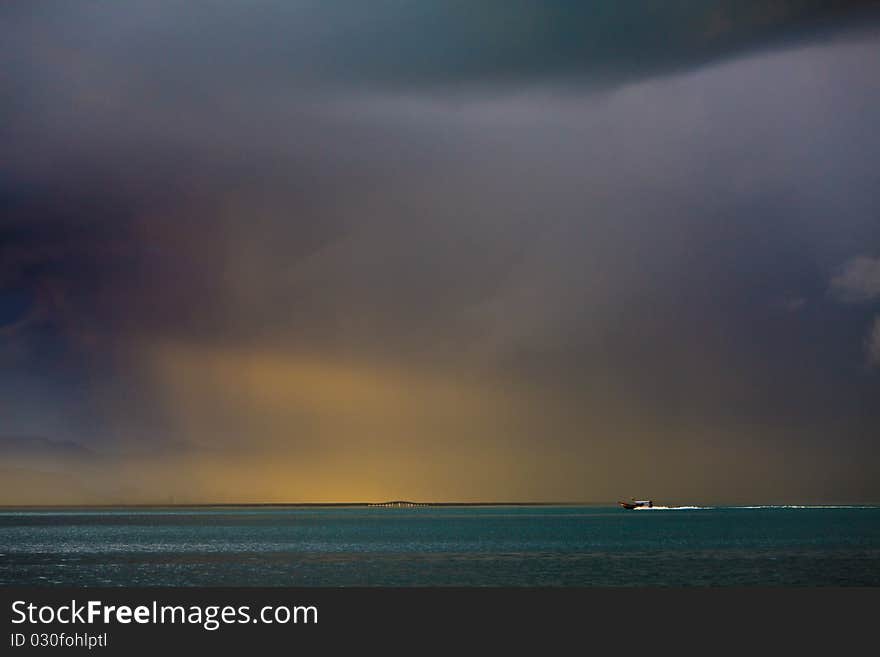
(179, 620)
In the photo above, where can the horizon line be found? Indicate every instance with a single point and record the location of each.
(412, 503)
(294, 504)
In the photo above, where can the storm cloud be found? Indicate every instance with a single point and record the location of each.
(305, 251)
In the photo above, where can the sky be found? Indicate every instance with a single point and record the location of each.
(303, 251)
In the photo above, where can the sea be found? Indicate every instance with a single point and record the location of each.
(523, 546)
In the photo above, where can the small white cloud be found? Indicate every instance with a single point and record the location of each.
(872, 344)
(858, 280)
(793, 305)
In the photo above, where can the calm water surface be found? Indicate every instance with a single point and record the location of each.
(431, 546)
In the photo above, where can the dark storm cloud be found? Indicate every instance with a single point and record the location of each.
(525, 231)
(180, 45)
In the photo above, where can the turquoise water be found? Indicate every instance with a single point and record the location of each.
(442, 546)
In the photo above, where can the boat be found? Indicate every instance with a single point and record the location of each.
(637, 504)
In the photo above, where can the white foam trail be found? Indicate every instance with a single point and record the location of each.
(671, 508)
(803, 506)
(762, 506)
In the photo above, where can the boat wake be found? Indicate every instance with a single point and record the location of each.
(803, 506)
(671, 508)
(763, 506)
